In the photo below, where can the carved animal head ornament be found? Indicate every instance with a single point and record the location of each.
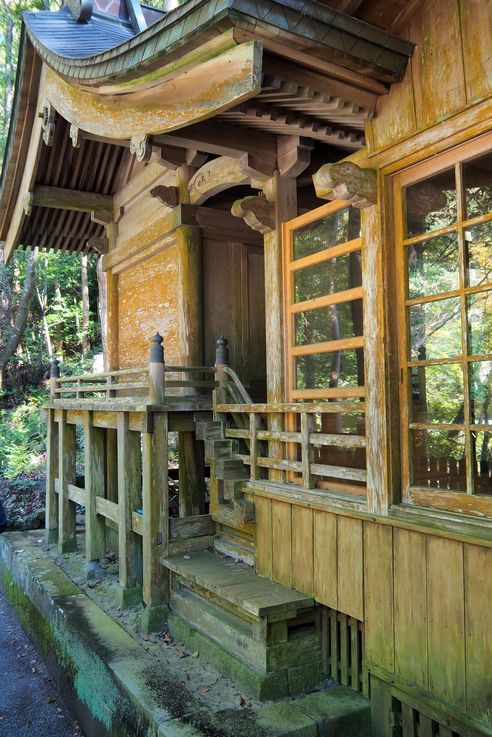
(257, 212)
(346, 181)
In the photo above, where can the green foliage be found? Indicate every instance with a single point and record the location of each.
(22, 437)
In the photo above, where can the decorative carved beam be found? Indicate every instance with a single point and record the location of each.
(98, 244)
(294, 155)
(346, 181)
(169, 196)
(75, 136)
(214, 177)
(47, 115)
(257, 212)
(141, 147)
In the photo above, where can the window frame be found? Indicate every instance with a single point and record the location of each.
(466, 502)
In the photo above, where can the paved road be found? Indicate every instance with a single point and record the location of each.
(31, 703)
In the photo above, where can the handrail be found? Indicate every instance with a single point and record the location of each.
(239, 385)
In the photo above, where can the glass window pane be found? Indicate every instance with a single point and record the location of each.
(435, 329)
(431, 204)
(438, 459)
(477, 182)
(480, 380)
(433, 266)
(334, 322)
(339, 227)
(328, 277)
(478, 242)
(479, 308)
(335, 370)
(482, 452)
(437, 393)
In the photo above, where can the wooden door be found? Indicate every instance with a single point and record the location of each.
(234, 306)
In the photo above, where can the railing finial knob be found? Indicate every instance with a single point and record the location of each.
(222, 352)
(55, 368)
(157, 350)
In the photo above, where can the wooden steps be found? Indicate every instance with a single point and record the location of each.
(272, 633)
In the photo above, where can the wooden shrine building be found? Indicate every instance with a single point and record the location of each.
(297, 196)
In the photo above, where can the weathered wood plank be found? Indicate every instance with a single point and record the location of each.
(107, 509)
(350, 567)
(325, 559)
(378, 594)
(410, 592)
(282, 543)
(446, 616)
(478, 625)
(185, 527)
(51, 475)
(302, 550)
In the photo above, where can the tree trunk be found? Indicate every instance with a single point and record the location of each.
(85, 306)
(103, 309)
(17, 329)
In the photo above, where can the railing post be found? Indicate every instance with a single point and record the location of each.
(54, 375)
(306, 450)
(156, 371)
(221, 362)
(94, 451)
(51, 477)
(66, 475)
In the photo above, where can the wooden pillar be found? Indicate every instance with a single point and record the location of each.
(129, 499)
(190, 301)
(112, 322)
(94, 466)
(66, 475)
(155, 502)
(283, 193)
(51, 476)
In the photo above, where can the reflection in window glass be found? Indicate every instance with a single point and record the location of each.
(328, 277)
(435, 329)
(479, 309)
(433, 266)
(439, 459)
(480, 381)
(332, 370)
(431, 204)
(339, 227)
(437, 393)
(477, 180)
(482, 446)
(479, 254)
(334, 322)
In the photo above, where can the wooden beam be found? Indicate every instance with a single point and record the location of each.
(348, 7)
(404, 16)
(71, 199)
(193, 95)
(226, 140)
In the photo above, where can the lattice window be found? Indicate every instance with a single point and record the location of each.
(443, 218)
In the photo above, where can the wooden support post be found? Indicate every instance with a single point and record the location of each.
(112, 465)
(54, 375)
(191, 475)
(155, 500)
(112, 311)
(254, 423)
(129, 499)
(306, 450)
(282, 191)
(51, 475)
(94, 466)
(221, 362)
(66, 475)
(156, 371)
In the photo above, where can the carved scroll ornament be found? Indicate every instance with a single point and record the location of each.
(169, 196)
(346, 181)
(75, 136)
(141, 147)
(257, 212)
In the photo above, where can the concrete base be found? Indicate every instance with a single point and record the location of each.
(154, 618)
(130, 597)
(123, 690)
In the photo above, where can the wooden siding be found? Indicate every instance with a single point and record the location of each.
(451, 69)
(424, 600)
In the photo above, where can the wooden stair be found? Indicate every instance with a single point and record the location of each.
(263, 634)
(233, 513)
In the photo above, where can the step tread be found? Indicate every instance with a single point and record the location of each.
(237, 583)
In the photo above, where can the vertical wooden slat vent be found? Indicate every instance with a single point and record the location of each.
(343, 645)
(411, 722)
